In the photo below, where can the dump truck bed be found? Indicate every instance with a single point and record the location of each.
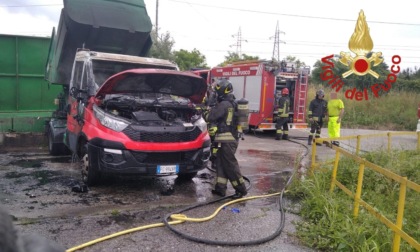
(112, 26)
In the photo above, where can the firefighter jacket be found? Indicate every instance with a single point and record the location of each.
(283, 104)
(317, 109)
(223, 115)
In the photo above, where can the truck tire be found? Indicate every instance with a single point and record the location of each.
(55, 149)
(90, 174)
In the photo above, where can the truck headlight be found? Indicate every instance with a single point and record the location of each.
(108, 120)
(201, 124)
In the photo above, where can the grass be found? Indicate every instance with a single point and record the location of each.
(115, 212)
(328, 223)
(396, 110)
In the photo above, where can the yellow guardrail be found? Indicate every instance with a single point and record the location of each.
(396, 227)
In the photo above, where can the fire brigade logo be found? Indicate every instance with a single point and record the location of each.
(360, 64)
(361, 44)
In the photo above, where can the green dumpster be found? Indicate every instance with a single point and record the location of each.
(26, 100)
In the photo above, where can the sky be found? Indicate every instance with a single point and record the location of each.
(308, 30)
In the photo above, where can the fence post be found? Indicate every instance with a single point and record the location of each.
(400, 214)
(358, 145)
(334, 172)
(389, 142)
(359, 189)
(418, 141)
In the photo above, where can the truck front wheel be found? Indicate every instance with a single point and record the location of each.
(55, 149)
(90, 174)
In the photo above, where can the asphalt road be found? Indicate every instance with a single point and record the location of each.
(38, 190)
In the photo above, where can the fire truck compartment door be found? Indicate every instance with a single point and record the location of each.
(248, 87)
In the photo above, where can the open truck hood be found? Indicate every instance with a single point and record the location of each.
(137, 81)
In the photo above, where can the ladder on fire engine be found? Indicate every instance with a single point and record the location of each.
(300, 106)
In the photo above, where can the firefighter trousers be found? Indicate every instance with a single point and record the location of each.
(282, 123)
(227, 168)
(316, 128)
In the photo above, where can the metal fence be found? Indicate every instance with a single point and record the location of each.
(397, 226)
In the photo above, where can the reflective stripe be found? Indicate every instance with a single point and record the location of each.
(286, 132)
(229, 116)
(222, 180)
(227, 136)
(315, 118)
(279, 131)
(241, 180)
(234, 183)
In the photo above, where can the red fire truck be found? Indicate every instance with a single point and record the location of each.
(259, 82)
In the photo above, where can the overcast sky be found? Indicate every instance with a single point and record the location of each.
(309, 29)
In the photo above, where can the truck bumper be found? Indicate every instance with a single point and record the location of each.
(110, 157)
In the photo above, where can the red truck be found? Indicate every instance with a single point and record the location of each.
(120, 113)
(259, 82)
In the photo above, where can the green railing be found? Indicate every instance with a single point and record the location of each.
(397, 226)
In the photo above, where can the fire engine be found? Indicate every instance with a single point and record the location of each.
(260, 82)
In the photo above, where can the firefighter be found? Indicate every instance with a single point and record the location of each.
(226, 137)
(283, 104)
(316, 113)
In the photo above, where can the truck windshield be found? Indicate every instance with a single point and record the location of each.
(102, 70)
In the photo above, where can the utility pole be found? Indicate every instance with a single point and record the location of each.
(277, 41)
(239, 43)
(157, 19)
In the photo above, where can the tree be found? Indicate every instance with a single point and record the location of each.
(187, 60)
(162, 46)
(297, 62)
(232, 57)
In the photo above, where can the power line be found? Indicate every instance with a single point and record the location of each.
(243, 10)
(291, 15)
(30, 5)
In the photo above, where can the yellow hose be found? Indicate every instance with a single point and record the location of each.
(178, 219)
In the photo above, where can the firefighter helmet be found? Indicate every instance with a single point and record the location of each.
(320, 93)
(223, 87)
(285, 91)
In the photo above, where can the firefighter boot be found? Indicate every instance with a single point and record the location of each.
(285, 137)
(310, 139)
(240, 191)
(278, 136)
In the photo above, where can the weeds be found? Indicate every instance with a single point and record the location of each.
(396, 110)
(115, 212)
(328, 223)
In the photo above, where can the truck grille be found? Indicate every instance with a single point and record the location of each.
(161, 137)
(164, 157)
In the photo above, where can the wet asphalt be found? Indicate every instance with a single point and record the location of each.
(45, 196)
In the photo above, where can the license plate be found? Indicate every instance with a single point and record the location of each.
(162, 169)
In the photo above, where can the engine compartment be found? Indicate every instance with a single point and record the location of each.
(151, 109)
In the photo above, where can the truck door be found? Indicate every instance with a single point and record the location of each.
(77, 99)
